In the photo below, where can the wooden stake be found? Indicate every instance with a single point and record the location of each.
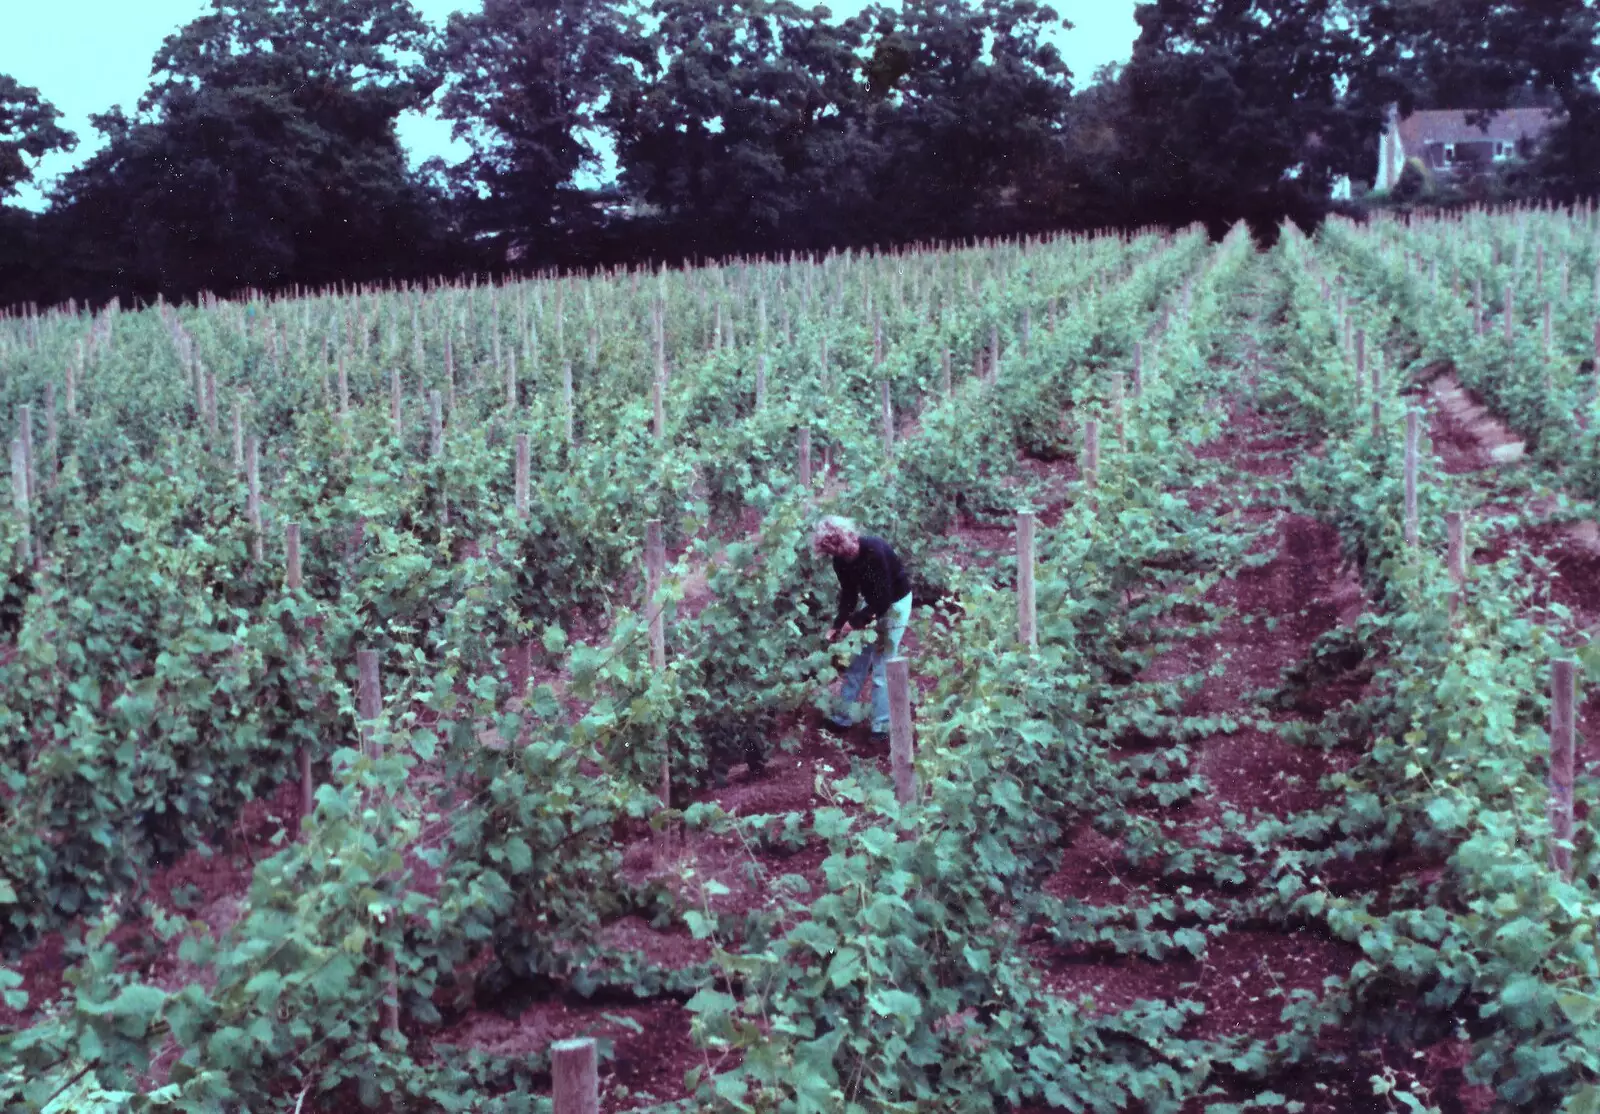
(19, 497)
(395, 403)
(252, 468)
(575, 1074)
(1412, 434)
(435, 424)
(238, 435)
(803, 450)
(566, 392)
(1027, 628)
(522, 476)
(1455, 524)
(761, 384)
(30, 472)
(901, 739)
(369, 707)
(945, 368)
(888, 423)
(291, 546)
(655, 565)
(1563, 699)
(52, 438)
(291, 549)
(1089, 465)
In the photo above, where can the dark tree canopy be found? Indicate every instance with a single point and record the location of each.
(524, 82)
(265, 152)
(28, 130)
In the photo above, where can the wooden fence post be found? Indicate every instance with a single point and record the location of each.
(238, 435)
(944, 367)
(803, 450)
(1563, 698)
(1412, 434)
(575, 1075)
(395, 403)
(1027, 626)
(252, 468)
(761, 384)
(522, 476)
(901, 741)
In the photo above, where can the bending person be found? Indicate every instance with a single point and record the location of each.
(868, 569)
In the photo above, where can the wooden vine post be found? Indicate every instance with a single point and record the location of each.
(252, 470)
(1377, 405)
(901, 741)
(761, 384)
(888, 423)
(436, 449)
(522, 476)
(566, 391)
(655, 566)
(1089, 466)
(803, 451)
(575, 1077)
(369, 707)
(1412, 434)
(1563, 698)
(1455, 524)
(29, 472)
(19, 498)
(1027, 624)
(1361, 361)
(395, 403)
(944, 368)
(238, 435)
(292, 580)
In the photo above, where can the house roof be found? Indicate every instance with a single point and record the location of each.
(1450, 126)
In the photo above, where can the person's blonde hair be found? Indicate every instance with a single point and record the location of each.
(835, 534)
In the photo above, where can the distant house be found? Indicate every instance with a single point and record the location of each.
(1450, 147)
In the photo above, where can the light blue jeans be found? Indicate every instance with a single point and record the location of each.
(891, 628)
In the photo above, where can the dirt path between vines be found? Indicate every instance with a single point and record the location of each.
(1244, 977)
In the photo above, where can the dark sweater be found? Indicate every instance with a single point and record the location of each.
(875, 573)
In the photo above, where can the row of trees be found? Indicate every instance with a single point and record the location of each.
(265, 151)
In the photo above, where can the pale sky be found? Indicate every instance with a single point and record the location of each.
(86, 55)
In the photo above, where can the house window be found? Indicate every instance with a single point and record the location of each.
(1449, 153)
